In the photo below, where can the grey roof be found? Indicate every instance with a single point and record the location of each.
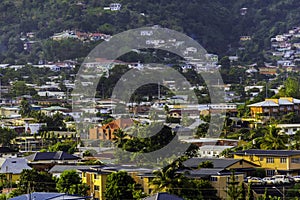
(207, 172)
(285, 102)
(163, 196)
(268, 152)
(62, 168)
(14, 165)
(60, 155)
(218, 163)
(267, 103)
(48, 196)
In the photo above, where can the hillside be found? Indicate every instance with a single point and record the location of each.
(216, 24)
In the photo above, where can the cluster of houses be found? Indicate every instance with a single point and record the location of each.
(74, 34)
(244, 163)
(286, 48)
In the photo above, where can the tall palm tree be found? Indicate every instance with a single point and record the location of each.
(272, 139)
(120, 138)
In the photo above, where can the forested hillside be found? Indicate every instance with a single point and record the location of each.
(216, 24)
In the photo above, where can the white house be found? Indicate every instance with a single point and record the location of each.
(289, 129)
(212, 150)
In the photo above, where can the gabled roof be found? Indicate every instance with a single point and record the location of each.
(268, 152)
(282, 101)
(60, 155)
(14, 165)
(48, 196)
(267, 103)
(218, 163)
(163, 196)
(62, 168)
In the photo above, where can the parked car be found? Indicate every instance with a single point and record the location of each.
(247, 178)
(296, 178)
(255, 181)
(281, 179)
(268, 181)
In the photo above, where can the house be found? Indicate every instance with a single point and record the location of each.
(219, 174)
(49, 111)
(212, 141)
(10, 112)
(106, 132)
(211, 151)
(12, 168)
(115, 6)
(275, 107)
(96, 177)
(289, 129)
(218, 178)
(57, 170)
(28, 143)
(46, 160)
(48, 196)
(285, 162)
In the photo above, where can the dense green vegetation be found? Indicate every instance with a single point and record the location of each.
(216, 24)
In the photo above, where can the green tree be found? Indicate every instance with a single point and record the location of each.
(119, 185)
(25, 108)
(272, 139)
(6, 136)
(34, 181)
(66, 146)
(235, 189)
(70, 182)
(291, 88)
(206, 164)
(20, 88)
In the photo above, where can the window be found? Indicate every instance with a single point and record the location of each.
(261, 158)
(270, 172)
(95, 176)
(270, 160)
(96, 187)
(213, 178)
(282, 160)
(83, 174)
(295, 160)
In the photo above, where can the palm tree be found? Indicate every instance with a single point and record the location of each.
(120, 138)
(272, 139)
(296, 141)
(166, 180)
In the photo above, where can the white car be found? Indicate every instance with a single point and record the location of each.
(281, 179)
(296, 178)
(268, 181)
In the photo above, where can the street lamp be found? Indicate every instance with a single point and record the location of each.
(282, 193)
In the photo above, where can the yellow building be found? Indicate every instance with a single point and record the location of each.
(12, 168)
(96, 180)
(10, 112)
(275, 107)
(285, 162)
(96, 177)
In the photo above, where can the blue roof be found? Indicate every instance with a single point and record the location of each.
(48, 196)
(60, 155)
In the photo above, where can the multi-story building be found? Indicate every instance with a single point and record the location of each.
(275, 107)
(106, 132)
(284, 162)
